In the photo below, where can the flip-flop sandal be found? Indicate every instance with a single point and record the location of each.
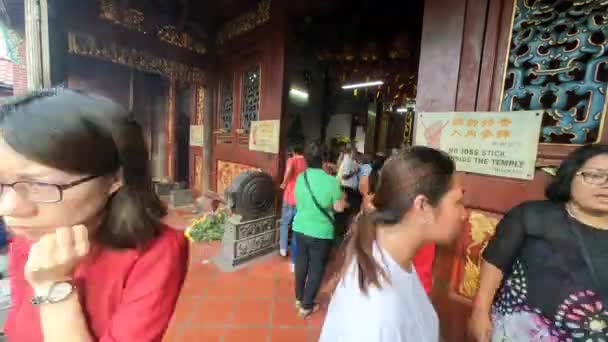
(298, 304)
(304, 313)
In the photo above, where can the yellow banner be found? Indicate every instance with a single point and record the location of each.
(502, 144)
(264, 136)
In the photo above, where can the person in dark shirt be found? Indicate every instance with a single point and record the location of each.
(543, 277)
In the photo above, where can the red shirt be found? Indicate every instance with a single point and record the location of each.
(126, 295)
(297, 165)
(423, 261)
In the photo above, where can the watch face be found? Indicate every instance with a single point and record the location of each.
(59, 292)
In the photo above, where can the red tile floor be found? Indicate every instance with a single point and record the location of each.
(253, 304)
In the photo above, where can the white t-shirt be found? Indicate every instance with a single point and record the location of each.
(399, 312)
(347, 167)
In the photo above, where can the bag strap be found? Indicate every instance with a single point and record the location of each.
(314, 199)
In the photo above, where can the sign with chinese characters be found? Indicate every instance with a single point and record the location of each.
(196, 135)
(502, 144)
(264, 136)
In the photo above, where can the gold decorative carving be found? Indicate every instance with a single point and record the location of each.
(129, 18)
(88, 45)
(228, 171)
(482, 227)
(408, 128)
(170, 35)
(200, 105)
(245, 22)
(133, 19)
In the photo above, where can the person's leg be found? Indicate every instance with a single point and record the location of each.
(318, 253)
(302, 261)
(286, 218)
(293, 242)
(294, 248)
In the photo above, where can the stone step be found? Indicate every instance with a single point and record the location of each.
(181, 198)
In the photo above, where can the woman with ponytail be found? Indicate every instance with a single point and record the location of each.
(90, 259)
(379, 297)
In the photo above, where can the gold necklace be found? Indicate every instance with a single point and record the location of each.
(571, 214)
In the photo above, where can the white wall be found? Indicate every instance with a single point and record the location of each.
(339, 125)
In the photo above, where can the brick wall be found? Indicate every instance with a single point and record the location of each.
(20, 73)
(6, 72)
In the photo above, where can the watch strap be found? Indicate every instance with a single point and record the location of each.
(41, 299)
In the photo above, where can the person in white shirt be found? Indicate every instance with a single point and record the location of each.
(378, 297)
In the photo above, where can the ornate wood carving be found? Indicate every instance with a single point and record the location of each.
(169, 34)
(251, 97)
(227, 105)
(480, 228)
(245, 22)
(200, 106)
(558, 61)
(129, 18)
(228, 171)
(87, 45)
(408, 130)
(133, 19)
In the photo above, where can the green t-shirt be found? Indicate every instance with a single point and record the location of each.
(309, 219)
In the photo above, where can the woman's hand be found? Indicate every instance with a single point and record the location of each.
(54, 257)
(480, 326)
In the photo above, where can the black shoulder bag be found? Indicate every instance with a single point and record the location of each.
(314, 199)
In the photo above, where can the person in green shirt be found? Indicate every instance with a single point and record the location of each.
(318, 197)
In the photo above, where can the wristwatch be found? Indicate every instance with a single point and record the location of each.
(57, 292)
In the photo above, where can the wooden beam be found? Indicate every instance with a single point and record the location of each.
(184, 14)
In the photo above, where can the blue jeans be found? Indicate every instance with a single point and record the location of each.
(287, 214)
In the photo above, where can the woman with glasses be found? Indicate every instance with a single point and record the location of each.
(90, 259)
(544, 273)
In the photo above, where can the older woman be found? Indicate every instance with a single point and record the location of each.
(90, 258)
(544, 276)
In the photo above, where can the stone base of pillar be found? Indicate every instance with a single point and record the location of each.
(244, 241)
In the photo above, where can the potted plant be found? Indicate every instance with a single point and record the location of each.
(209, 227)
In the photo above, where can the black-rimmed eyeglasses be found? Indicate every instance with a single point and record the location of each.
(40, 192)
(594, 178)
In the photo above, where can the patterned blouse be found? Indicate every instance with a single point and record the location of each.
(549, 290)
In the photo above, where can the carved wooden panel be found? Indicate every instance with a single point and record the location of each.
(251, 97)
(227, 105)
(200, 106)
(558, 61)
(227, 172)
(480, 227)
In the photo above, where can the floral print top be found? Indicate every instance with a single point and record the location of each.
(548, 291)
